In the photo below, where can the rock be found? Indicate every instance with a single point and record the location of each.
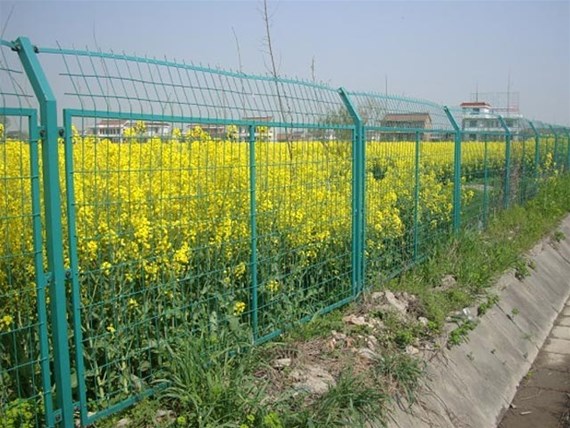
(372, 342)
(338, 336)
(448, 281)
(353, 319)
(412, 350)
(312, 379)
(423, 321)
(376, 323)
(281, 363)
(466, 313)
(377, 296)
(125, 422)
(399, 306)
(163, 416)
(367, 354)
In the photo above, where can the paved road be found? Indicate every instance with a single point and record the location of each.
(543, 398)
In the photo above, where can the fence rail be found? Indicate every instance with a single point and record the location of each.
(145, 200)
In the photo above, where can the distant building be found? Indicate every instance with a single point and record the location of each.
(216, 132)
(261, 132)
(114, 129)
(405, 121)
(479, 120)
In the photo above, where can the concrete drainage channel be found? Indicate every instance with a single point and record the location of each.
(473, 384)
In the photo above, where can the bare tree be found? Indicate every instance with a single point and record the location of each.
(275, 74)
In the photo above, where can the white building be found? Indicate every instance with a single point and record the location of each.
(479, 119)
(114, 129)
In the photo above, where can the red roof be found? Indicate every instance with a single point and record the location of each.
(475, 104)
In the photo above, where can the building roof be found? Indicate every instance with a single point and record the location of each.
(407, 117)
(475, 104)
(111, 122)
(259, 118)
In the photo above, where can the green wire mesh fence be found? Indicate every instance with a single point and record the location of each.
(198, 202)
(25, 384)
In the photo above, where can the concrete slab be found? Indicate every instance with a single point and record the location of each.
(560, 332)
(565, 321)
(557, 346)
(473, 384)
(559, 362)
(546, 378)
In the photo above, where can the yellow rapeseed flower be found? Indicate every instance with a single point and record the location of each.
(5, 322)
(239, 308)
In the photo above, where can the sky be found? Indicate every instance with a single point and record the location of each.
(437, 50)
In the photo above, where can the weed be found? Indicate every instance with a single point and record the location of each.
(491, 301)
(210, 384)
(515, 312)
(521, 269)
(558, 236)
(401, 370)
(460, 333)
(351, 402)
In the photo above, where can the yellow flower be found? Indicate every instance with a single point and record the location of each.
(273, 286)
(106, 268)
(239, 270)
(132, 303)
(111, 329)
(5, 322)
(239, 308)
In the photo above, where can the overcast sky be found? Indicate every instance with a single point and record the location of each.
(440, 51)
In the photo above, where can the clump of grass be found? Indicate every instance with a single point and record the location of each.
(353, 401)
(211, 384)
(459, 335)
(491, 301)
(558, 236)
(521, 269)
(402, 371)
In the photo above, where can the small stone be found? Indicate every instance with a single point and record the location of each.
(412, 350)
(448, 281)
(163, 416)
(281, 363)
(125, 422)
(423, 321)
(395, 303)
(353, 319)
(372, 342)
(378, 295)
(338, 336)
(466, 312)
(312, 379)
(367, 354)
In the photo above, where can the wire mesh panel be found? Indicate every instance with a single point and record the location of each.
(561, 157)
(523, 181)
(199, 201)
(547, 145)
(483, 164)
(304, 221)
(409, 172)
(25, 385)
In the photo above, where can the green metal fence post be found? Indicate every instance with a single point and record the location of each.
(53, 226)
(508, 137)
(555, 154)
(253, 233)
(456, 172)
(358, 172)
